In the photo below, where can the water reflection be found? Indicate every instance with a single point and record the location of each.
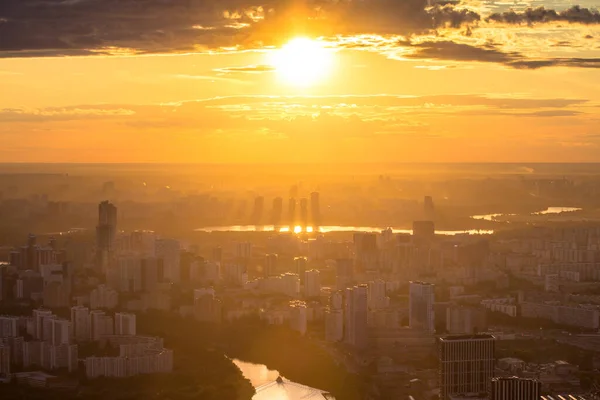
(257, 374)
(331, 228)
(557, 210)
(547, 211)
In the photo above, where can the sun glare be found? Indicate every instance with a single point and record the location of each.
(302, 62)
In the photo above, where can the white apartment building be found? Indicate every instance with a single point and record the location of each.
(125, 324)
(103, 297)
(312, 283)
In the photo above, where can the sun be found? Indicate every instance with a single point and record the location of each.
(302, 62)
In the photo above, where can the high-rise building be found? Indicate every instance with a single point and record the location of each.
(207, 308)
(334, 325)
(315, 209)
(103, 297)
(125, 324)
(356, 315)
(217, 254)
(292, 213)
(39, 316)
(169, 250)
(257, 212)
(298, 316)
(304, 212)
(80, 323)
(421, 300)
(423, 232)
(106, 232)
(300, 265)
(243, 250)
(428, 208)
(4, 360)
(277, 211)
(290, 284)
(100, 325)
(8, 326)
(466, 364)
(462, 320)
(60, 332)
(270, 268)
(344, 273)
(515, 389)
(377, 295)
(552, 283)
(312, 283)
(366, 251)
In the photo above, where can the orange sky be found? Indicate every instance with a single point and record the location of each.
(478, 91)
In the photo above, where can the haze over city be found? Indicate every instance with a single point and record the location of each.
(299, 199)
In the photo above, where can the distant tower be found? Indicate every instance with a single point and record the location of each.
(106, 231)
(257, 212)
(315, 209)
(420, 309)
(277, 211)
(292, 213)
(428, 208)
(304, 212)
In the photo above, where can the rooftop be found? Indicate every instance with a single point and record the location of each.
(466, 337)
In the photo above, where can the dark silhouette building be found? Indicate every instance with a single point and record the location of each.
(106, 232)
(466, 364)
(515, 389)
(315, 209)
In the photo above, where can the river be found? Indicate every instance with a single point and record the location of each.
(547, 211)
(257, 374)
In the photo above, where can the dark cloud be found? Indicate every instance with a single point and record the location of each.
(575, 14)
(67, 27)
(452, 51)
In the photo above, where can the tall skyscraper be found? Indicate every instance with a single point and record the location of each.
(421, 299)
(466, 364)
(356, 312)
(106, 232)
(515, 389)
(304, 212)
(292, 213)
(277, 211)
(315, 209)
(428, 208)
(366, 251)
(257, 211)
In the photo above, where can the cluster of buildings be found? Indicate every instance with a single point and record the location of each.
(46, 341)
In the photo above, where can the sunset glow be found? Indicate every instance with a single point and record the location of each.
(302, 62)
